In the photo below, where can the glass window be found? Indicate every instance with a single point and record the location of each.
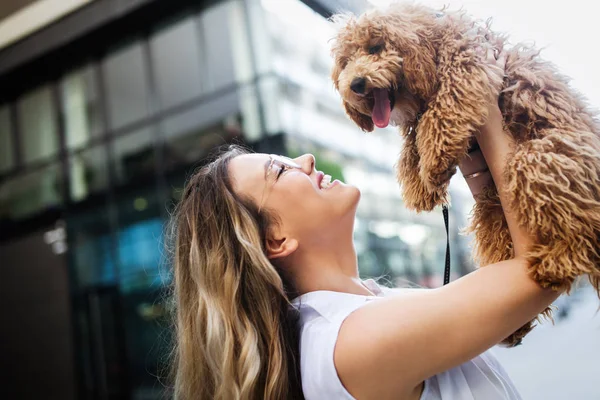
(134, 155)
(80, 107)
(91, 247)
(37, 122)
(139, 247)
(92, 261)
(204, 116)
(176, 59)
(185, 147)
(216, 33)
(126, 86)
(31, 192)
(88, 172)
(6, 143)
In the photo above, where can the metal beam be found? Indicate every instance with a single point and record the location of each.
(62, 44)
(64, 31)
(329, 7)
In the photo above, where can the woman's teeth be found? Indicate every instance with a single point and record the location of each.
(325, 182)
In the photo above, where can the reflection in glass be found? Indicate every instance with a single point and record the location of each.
(216, 32)
(134, 155)
(176, 58)
(90, 248)
(91, 258)
(80, 107)
(148, 331)
(88, 172)
(30, 193)
(142, 280)
(126, 86)
(37, 122)
(186, 145)
(6, 143)
(140, 253)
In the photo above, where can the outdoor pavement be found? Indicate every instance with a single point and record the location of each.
(560, 362)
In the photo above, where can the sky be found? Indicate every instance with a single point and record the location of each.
(567, 31)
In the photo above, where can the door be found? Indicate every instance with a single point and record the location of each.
(102, 343)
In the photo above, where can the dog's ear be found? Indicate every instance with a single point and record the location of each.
(363, 121)
(420, 65)
(409, 29)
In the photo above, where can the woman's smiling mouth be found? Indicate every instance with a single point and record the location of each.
(323, 180)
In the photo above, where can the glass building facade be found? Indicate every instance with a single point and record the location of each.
(95, 149)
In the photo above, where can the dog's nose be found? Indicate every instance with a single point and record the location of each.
(358, 85)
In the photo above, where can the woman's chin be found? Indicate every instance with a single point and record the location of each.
(345, 196)
(353, 194)
(347, 187)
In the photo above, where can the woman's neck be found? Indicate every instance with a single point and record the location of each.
(333, 268)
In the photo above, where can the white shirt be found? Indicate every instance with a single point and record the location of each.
(321, 316)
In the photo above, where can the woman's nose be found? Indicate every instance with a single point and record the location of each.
(307, 162)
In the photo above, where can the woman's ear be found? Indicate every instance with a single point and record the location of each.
(279, 248)
(363, 121)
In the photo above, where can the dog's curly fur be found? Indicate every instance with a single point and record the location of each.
(433, 64)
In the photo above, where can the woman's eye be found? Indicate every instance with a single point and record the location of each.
(375, 49)
(281, 171)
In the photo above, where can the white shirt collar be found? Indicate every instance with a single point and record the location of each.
(327, 303)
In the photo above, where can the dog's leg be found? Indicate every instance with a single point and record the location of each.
(414, 193)
(557, 198)
(492, 238)
(458, 109)
(441, 145)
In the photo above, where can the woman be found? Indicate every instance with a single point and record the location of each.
(261, 239)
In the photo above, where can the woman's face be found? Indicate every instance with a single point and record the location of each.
(308, 209)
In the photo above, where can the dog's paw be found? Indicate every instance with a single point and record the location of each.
(418, 198)
(427, 202)
(434, 181)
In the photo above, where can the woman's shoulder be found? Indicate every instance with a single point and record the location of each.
(329, 305)
(321, 316)
(324, 309)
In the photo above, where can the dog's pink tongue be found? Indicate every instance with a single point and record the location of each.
(381, 108)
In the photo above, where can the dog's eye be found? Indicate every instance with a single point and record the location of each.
(375, 49)
(342, 62)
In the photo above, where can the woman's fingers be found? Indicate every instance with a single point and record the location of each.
(472, 163)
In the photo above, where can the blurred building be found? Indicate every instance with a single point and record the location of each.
(106, 107)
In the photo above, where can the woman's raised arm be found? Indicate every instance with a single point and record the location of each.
(387, 348)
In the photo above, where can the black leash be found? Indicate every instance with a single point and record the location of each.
(447, 268)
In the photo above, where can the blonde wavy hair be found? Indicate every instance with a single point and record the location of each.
(236, 336)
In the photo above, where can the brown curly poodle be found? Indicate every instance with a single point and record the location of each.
(424, 70)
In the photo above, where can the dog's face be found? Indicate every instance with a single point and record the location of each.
(385, 68)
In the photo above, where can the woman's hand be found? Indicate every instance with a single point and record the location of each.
(475, 166)
(475, 170)
(495, 146)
